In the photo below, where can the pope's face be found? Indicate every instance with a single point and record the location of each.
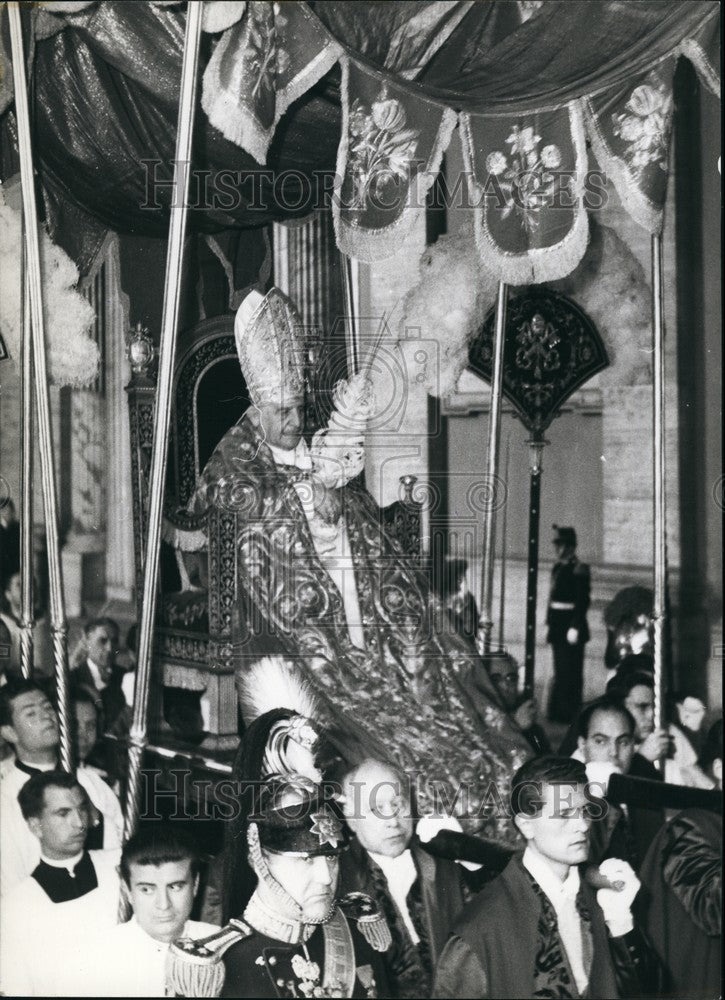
(282, 423)
(310, 881)
(559, 833)
(162, 897)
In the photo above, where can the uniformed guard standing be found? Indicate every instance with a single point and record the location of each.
(567, 624)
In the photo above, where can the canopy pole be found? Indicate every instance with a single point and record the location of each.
(494, 434)
(26, 485)
(502, 596)
(660, 538)
(167, 351)
(352, 333)
(58, 625)
(536, 454)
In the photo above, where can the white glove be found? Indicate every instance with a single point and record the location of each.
(572, 636)
(617, 904)
(598, 774)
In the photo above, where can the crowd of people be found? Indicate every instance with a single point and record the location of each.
(396, 823)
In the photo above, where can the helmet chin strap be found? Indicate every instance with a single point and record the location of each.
(272, 903)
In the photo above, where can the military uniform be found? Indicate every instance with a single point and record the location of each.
(569, 600)
(336, 959)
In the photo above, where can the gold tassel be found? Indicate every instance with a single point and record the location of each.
(195, 968)
(376, 932)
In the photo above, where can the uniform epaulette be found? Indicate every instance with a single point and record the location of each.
(195, 968)
(371, 922)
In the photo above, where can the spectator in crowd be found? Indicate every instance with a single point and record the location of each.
(504, 672)
(606, 744)
(682, 898)
(538, 930)
(160, 877)
(99, 675)
(10, 612)
(635, 691)
(29, 722)
(47, 917)
(419, 894)
(96, 779)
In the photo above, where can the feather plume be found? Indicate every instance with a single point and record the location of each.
(274, 682)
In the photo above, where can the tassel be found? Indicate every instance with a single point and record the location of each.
(195, 968)
(376, 932)
(371, 921)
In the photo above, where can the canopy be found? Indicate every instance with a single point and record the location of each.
(358, 101)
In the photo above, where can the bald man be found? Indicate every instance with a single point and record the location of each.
(420, 895)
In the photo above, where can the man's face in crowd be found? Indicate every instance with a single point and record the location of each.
(162, 897)
(86, 728)
(560, 832)
(377, 810)
(610, 739)
(282, 423)
(641, 703)
(100, 649)
(310, 881)
(62, 826)
(505, 676)
(12, 593)
(35, 725)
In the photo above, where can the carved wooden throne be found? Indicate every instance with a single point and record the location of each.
(198, 594)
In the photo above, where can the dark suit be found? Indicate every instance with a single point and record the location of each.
(434, 902)
(506, 944)
(111, 701)
(568, 605)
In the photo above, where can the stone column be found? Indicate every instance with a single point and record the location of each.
(306, 266)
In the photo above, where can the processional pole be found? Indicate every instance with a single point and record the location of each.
(494, 434)
(352, 334)
(26, 485)
(59, 627)
(167, 351)
(536, 451)
(502, 588)
(660, 525)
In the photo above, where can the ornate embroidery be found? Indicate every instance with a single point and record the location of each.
(525, 181)
(646, 126)
(381, 149)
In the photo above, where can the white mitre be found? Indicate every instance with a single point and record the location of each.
(268, 333)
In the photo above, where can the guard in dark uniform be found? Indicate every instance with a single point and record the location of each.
(568, 631)
(295, 937)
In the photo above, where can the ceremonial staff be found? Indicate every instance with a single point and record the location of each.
(494, 435)
(34, 296)
(162, 414)
(658, 440)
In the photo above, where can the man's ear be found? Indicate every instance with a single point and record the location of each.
(581, 743)
(523, 825)
(717, 770)
(8, 734)
(34, 825)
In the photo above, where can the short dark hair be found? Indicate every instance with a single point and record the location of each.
(12, 690)
(157, 844)
(103, 622)
(713, 748)
(621, 685)
(80, 695)
(8, 574)
(32, 795)
(527, 784)
(607, 703)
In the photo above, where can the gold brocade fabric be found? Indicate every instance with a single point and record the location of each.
(405, 697)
